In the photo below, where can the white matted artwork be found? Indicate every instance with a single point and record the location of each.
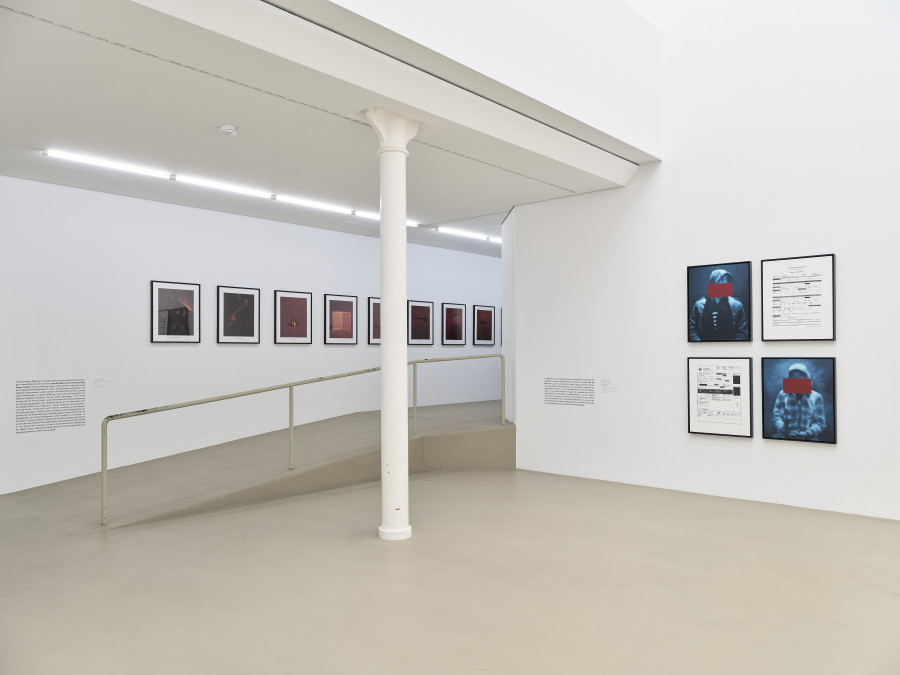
(340, 319)
(798, 298)
(720, 396)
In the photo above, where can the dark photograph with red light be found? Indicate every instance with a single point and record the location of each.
(420, 324)
(340, 319)
(293, 314)
(453, 318)
(175, 311)
(718, 302)
(799, 400)
(483, 325)
(238, 315)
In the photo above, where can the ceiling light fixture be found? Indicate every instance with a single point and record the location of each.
(106, 163)
(214, 184)
(467, 233)
(227, 187)
(310, 204)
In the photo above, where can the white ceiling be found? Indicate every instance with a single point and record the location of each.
(116, 79)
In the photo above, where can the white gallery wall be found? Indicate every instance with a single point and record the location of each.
(780, 139)
(76, 269)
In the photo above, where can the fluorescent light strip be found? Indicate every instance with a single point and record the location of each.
(310, 204)
(467, 233)
(106, 163)
(216, 185)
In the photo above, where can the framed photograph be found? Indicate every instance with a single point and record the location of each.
(720, 396)
(483, 325)
(374, 321)
(419, 322)
(798, 298)
(340, 319)
(238, 315)
(453, 320)
(174, 312)
(799, 400)
(293, 318)
(718, 303)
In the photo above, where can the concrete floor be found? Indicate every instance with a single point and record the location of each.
(507, 572)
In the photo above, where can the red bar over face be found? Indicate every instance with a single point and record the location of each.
(720, 290)
(796, 385)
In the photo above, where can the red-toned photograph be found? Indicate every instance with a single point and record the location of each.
(340, 319)
(293, 313)
(238, 315)
(483, 320)
(419, 322)
(454, 322)
(374, 321)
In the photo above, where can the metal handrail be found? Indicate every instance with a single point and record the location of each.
(290, 386)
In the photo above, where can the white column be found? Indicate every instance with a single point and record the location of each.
(394, 132)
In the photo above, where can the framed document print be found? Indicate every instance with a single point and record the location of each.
(799, 399)
(174, 312)
(718, 302)
(419, 322)
(293, 318)
(453, 321)
(798, 298)
(720, 396)
(483, 322)
(340, 319)
(238, 315)
(374, 321)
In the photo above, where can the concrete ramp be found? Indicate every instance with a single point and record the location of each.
(327, 454)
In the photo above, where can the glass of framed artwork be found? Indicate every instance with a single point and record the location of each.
(719, 303)
(174, 312)
(799, 399)
(293, 318)
(340, 319)
(453, 320)
(374, 321)
(483, 325)
(720, 396)
(798, 298)
(419, 322)
(238, 315)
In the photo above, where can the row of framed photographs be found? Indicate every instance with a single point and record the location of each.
(797, 300)
(175, 317)
(798, 398)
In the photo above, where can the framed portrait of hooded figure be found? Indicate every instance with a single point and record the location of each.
(718, 303)
(799, 399)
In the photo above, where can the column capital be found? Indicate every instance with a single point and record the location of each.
(394, 130)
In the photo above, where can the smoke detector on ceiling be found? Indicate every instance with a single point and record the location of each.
(228, 130)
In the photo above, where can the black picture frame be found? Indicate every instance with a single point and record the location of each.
(293, 318)
(453, 324)
(719, 302)
(809, 415)
(374, 321)
(419, 322)
(720, 396)
(798, 298)
(238, 315)
(483, 325)
(174, 312)
(340, 319)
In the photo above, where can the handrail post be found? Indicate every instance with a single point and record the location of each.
(502, 389)
(415, 396)
(291, 427)
(103, 471)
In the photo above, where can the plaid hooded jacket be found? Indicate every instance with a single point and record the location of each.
(799, 412)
